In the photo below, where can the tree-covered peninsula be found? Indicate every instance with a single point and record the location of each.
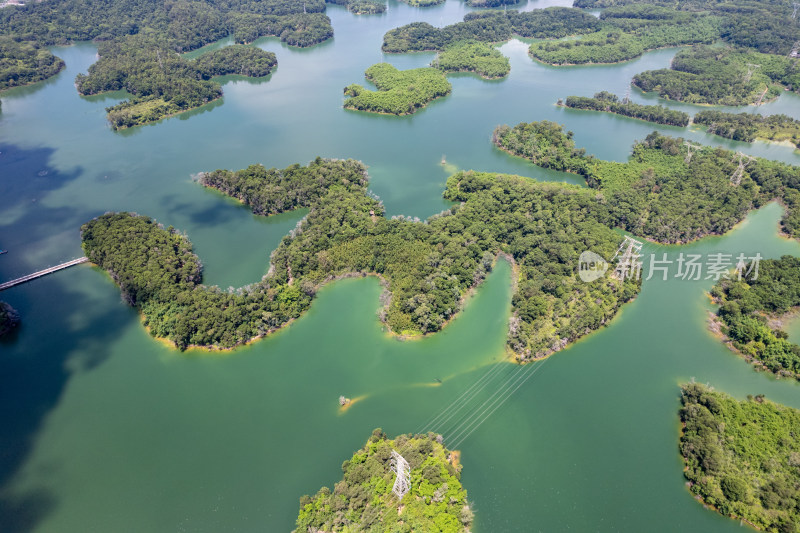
(25, 62)
(361, 7)
(161, 82)
(742, 457)
(721, 76)
(662, 193)
(751, 309)
(9, 318)
(610, 103)
(427, 267)
(363, 500)
(400, 92)
(473, 56)
(490, 27)
(626, 33)
(748, 127)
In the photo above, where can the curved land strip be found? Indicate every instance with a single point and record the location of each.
(750, 307)
(25, 62)
(9, 318)
(748, 127)
(720, 76)
(400, 92)
(742, 457)
(490, 27)
(473, 56)
(436, 500)
(762, 26)
(661, 193)
(609, 103)
(162, 82)
(427, 267)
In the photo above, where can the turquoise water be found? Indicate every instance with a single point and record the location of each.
(105, 429)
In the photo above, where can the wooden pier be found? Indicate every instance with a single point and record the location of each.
(39, 274)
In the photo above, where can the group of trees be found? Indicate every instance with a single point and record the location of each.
(742, 457)
(473, 56)
(627, 32)
(750, 126)
(608, 102)
(24, 62)
(162, 82)
(746, 304)
(491, 27)
(361, 7)
(660, 193)
(427, 266)
(400, 92)
(758, 24)
(363, 499)
(721, 76)
(9, 318)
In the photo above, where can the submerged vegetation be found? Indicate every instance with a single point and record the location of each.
(721, 76)
(162, 82)
(748, 127)
(400, 92)
(662, 193)
(747, 306)
(9, 318)
(363, 500)
(742, 457)
(25, 62)
(608, 102)
(473, 56)
(427, 267)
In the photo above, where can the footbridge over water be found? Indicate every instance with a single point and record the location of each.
(39, 274)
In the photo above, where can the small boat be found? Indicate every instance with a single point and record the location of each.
(3, 252)
(438, 380)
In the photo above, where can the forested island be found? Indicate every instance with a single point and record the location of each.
(748, 127)
(662, 193)
(361, 7)
(627, 32)
(742, 457)
(162, 82)
(139, 44)
(423, 3)
(749, 309)
(9, 318)
(25, 62)
(427, 267)
(363, 500)
(491, 27)
(400, 92)
(473, 56)
(722, 76)
(610, 103)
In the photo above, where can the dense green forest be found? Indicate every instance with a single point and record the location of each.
(765, 25)
(473, 56)
(361, 7)
(608, 102)
(161, 82)
(9, 318)
(627, 32)
(24, 62)
(750, 126)
(491, 27)
(423, 3)
(722, 76)
(400, 92)
(427, 267)
(742, 457)
(661, 193)
(185, 24)
(363, 500)
(491, 3)
(746, 306)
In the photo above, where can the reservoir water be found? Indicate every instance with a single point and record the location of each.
(104, 429)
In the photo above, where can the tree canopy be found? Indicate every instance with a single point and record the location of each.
(609, 103)
(400, 92)
(25, 62)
